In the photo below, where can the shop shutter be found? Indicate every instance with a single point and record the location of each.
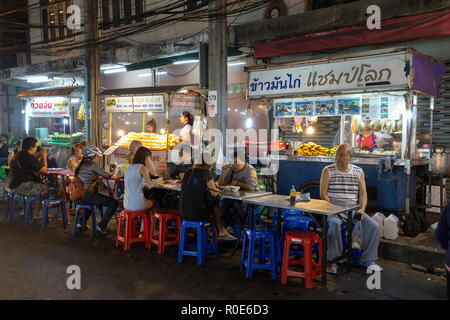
(441, 121)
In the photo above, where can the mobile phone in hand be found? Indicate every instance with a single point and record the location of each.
(358, 216)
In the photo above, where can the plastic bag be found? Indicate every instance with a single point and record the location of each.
(357, 236)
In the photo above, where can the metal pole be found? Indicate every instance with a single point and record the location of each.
(431, 152)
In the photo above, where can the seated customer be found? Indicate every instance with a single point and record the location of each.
(13, 152)
(238, 174)
(88, 171)
(136, 179)
(343, 181)
(75, 160)
(197, 200)
(24, 175)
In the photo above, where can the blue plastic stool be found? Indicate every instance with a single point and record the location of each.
(202, 247)
(93, 209)
(46, 204)
(10, 200)
(260, 234)
(27, 206)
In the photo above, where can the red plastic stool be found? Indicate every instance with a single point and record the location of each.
(131, 235)
(162, 239)
(311, 269)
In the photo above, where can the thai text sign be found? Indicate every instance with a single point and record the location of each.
(355, 74)
(148, 104)
(49, 107)
(135, 104)
(185, 101)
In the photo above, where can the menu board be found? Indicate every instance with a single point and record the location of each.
(349, 106)
(370, 109)
(325, 107)
(283, 108)
(303, 108)
(48, 107)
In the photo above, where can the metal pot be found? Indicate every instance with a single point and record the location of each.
(440, 161)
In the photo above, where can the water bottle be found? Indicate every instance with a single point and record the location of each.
(379, 217)
(391, 227)
(293, 196)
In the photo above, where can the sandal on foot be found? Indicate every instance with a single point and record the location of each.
(371, 265)
(333, 269)
(227, 238)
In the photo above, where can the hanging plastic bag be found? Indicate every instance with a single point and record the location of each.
(357, 236)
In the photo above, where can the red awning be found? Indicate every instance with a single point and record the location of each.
(427, 25)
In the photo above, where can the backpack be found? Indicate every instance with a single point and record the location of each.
(76, 190)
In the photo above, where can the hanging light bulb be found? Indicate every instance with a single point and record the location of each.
(120, 133)
(310, 130)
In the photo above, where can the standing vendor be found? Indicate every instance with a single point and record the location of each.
(187, 120)
(151, 126)
(368, 139)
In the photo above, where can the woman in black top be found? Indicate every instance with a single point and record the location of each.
(25, 169)
(197, 200)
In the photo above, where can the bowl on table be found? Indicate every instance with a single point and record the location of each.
(172, 182)
(235, 188)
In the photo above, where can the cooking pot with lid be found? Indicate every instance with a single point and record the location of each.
(439, 161)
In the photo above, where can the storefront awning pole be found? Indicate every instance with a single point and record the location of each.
(110, 127)
(86, 105)
(143, 121)
(168, 127)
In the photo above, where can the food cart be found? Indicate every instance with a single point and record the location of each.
(51, 117)
(128, 110)
(319, 104)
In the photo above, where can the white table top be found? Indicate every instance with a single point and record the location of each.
(313, 206)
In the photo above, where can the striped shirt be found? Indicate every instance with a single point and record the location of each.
(343, 186)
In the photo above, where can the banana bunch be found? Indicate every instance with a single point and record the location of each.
(332, 152)
(311, 149)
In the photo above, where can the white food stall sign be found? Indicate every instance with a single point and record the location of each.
(148, 104)
(212, 103)
(185, 101)
(119, 104)
(49, 107)
(383, 71)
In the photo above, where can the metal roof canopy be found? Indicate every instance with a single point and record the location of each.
(151, 90)
(66, 92)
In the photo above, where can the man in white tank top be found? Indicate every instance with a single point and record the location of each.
(343, 181)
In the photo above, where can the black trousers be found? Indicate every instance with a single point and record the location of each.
(105, 201)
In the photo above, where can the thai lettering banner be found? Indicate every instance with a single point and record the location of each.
(148, 104)
(185, 101)
(49, 107)
(135, 104)
(119, 104)
(384, 71)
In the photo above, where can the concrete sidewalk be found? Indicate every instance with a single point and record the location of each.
(34, 264)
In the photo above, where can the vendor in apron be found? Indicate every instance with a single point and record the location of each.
(367, 140)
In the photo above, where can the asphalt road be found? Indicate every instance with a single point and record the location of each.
(34, 263)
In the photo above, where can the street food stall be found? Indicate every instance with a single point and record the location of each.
(128, 110)
(51, 116)
(368, 100)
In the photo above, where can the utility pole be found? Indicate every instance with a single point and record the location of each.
(93, 74)
(217, 64)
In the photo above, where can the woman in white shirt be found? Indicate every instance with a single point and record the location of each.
(136, 178)
(186, 135)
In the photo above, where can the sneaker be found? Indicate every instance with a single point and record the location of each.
(101, 231)
(333, 269)
(79, 227)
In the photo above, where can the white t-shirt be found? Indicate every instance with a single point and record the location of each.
(186, 134)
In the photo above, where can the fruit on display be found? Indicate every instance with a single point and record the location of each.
(311, 149)
(332, 152)
(151, 141)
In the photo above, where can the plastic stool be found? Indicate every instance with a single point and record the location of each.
(202, 247)
(10, 200)
(83, 207)
(311, 269)
(162, 239)
(27, 206)
(260, 233)
(62, 207)
(131, 235)
(356, 253)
